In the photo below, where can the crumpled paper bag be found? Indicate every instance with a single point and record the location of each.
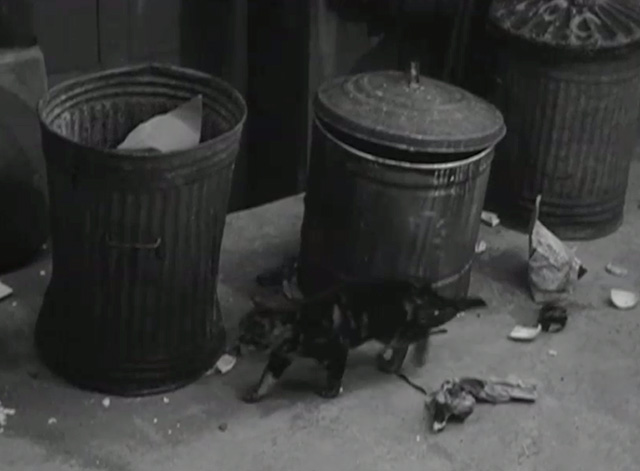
(456, 398)
(553, 267)
(179, 129)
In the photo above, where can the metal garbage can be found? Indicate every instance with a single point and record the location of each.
(569, 87)
(131, 308)
(397, 179)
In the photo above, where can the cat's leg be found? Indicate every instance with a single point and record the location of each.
(279, 361)
(335, 361)
(390, 359)
(420, 352)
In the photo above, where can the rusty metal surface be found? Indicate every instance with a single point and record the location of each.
(368, 217)
(572, 134)
(131, 306)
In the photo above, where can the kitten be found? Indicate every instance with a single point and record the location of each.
(326, 326)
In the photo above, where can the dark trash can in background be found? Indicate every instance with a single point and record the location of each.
(131, 308)
(569, 88)
(398, 172)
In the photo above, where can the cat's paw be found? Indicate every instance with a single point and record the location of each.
(330, 392)
(252, 396)
(390, 361)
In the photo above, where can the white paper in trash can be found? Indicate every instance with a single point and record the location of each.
(179, 129)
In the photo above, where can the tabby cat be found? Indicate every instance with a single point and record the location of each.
(326, 326)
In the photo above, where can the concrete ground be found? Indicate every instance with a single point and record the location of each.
(587, 416)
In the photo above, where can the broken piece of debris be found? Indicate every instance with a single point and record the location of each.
(490, 219)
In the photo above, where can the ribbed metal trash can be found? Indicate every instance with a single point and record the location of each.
(397, 180)
(131, 308)
(569, 88)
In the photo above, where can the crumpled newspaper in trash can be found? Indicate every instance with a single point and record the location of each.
(179, 129)
(456, 398)
(553, 267)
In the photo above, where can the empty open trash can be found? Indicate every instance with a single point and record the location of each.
(397, 179)
(569, 89)
(131, 308)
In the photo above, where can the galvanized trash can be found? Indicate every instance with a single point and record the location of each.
(397, 179)
(131, 308)
(569, 87)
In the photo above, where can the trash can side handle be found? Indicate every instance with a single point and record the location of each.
(155, 245)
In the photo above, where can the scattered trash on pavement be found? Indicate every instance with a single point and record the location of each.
(52, 421)
(5, 291)
(223, 427)
(524, 333)
(490, 219)
(456, 398)
(553, 267)
(481, 247)
(224, 365)
(624, 299)
(553, 353)
(106, 402)
(177, 130)
(165, 400)
(553, 318)
(616, 270)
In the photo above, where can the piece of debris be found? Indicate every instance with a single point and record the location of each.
(553, 267)
(456, 398)
(5, 412)
(624, 299)
(179, 129)
(522, 333)
(225, 364)
(616, 270)
(155, 420)
(165, 400)
(418, 438)
(553, 353)
(223, 427)
(106, 402)
(52, 421)
(5, 291)
(169, 432)
(43, 273)
(490, 219)
(481, 247)
(553, 317)
(14, 304)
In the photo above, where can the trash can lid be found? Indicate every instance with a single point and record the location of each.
(409, 112)
(581, 25)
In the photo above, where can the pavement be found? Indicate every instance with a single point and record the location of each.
(587, 415)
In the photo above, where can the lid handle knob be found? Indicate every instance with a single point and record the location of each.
(414, 74)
